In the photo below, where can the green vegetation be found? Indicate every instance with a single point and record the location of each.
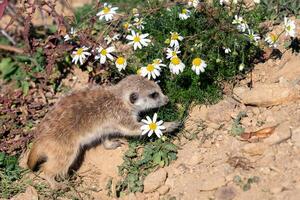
(207, 33)
(10, 173)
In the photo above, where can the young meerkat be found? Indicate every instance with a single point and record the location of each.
(88, 115)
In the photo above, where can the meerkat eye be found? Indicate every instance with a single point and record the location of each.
(133, 97)
(154, 95)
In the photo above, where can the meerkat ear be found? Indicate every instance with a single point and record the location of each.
(133, 97)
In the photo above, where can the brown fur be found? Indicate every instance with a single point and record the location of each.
(88, 115)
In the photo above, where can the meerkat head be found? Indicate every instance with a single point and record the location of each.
(142, 93)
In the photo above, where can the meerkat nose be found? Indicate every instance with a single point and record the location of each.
(166, 99)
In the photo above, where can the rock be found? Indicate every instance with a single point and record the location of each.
(266, 94)
(225, 193)
(131, 196)
(222, 111)
(181, 169)
(195, 159)
(289, 71)
(212, 182)
(163, 189)
(254, 149)
(29, 194)
(276, 189)
(155, 180)
(281, 134)
(296, 136)
(153, 196)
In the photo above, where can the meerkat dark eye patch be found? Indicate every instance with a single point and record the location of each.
(133, 97)
(154, 95)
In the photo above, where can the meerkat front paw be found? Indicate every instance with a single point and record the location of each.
(112, 144)
(172, 126)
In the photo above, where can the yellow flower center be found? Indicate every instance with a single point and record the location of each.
(150, 67)
(288, 28)
(136, 39)
(197, 61)
(273, 37)
(106, 10)
(174, 36)
(139, 71)
(184, 11)
(126, 25)
(103, 52)
(79, 51)
(175, 61)
(152, 126)
(120, 61)
(174, 53)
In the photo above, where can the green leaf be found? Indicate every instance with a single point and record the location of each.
(157, 158)
(170, 147)
(25, 87)
(7, 68)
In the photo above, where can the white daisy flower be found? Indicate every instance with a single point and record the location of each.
(104, 53)
(252, 36)
(127, 26)
(138, 40)
(193, 3)
(289, 27)
(152, 126)
(109, 39)
(158, 63)
(271, 39)
(72, 34)
(199, 65)
(222, 2)
(152, 70)
(139, 23)
(174, 39)
(172, 52)
(227, 50)
(80, 54)
(121, 63)
(176, 66)
(241, 23)
(185, 14)
(107, 12)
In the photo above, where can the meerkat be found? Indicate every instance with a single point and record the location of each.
(88, 115)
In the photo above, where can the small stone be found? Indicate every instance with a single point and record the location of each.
(163, 189)
(212, 182)
(265, 170)
(254, 149)
(276, 189)
(296, 136)
(195, 159)
(281, 134)
(29, 194)
(155, 180)
(221, 112)
(225, 193)
(153, 196)
(131, 196)
(213, 125)
(256, 111)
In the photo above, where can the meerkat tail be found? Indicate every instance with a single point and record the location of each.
(35, 158)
